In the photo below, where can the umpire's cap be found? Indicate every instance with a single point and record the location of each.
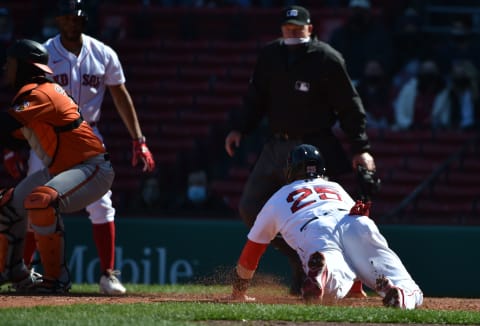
(71, 7)
(30, 52)
(296, 15)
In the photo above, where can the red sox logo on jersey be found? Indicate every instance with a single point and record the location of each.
(87, 80)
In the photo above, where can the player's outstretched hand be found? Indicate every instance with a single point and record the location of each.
(240, 297)
(141, 152)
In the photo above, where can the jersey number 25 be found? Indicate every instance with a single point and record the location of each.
(302, 197)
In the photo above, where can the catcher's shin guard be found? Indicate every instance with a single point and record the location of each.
(51, 249)
(12, 232)
(45, 221)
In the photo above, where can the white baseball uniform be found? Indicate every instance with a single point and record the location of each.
(313, 215)
(85, 79)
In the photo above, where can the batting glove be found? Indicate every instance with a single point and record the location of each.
(14, 163)
(141, 151)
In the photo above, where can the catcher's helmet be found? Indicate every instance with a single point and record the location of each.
(304, 162)
(71, 7)
(31, 53)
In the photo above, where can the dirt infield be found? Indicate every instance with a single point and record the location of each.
(15, 300)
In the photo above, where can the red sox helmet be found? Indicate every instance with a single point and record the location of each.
(304, 162)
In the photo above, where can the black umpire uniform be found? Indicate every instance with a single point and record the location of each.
(303, 91)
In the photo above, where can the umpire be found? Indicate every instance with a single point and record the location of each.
(301, 86)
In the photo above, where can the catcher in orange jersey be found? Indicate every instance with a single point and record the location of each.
(87, 68)
(77, 173)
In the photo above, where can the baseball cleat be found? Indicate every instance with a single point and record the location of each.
(312, 289)
(49, 286)
(31, 280)
(109, 283)
(392, 295)
(393, 298)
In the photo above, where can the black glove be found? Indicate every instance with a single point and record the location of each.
(368, 182)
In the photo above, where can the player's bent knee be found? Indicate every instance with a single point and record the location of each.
(41, 197)
(41, 205)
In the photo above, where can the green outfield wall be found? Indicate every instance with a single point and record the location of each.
(445, 261)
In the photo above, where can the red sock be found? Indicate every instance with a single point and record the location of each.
(29, 249)
(356, 291)
(357, 286)
(104, 238)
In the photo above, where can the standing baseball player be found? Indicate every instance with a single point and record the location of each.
(77, 170)
(334, 237)
(86, 67)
